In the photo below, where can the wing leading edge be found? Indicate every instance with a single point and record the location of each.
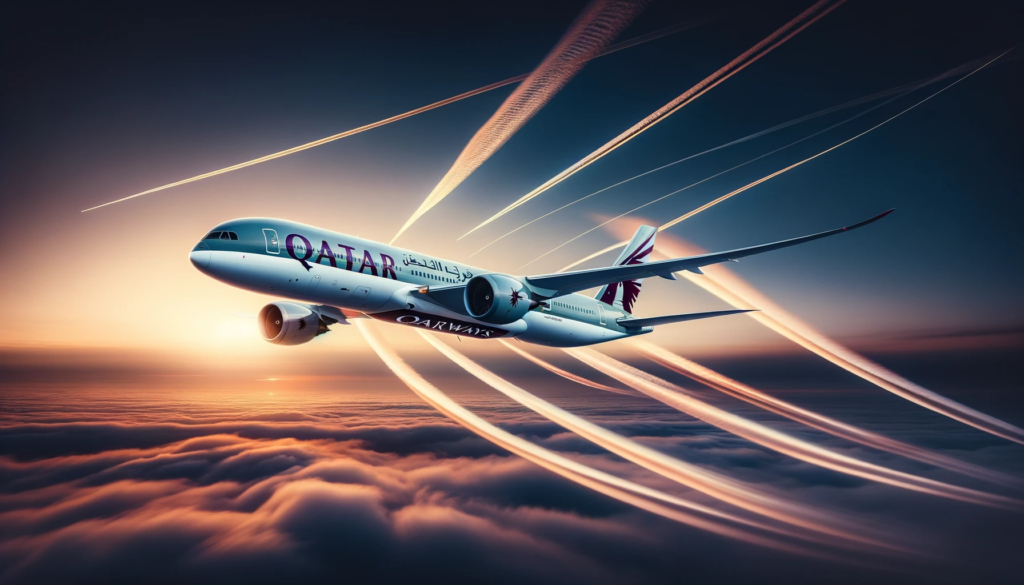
(553, 285)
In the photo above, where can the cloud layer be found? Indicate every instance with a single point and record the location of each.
(131, 485)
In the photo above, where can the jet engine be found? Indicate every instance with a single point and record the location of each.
(498, 299)
(289, 323)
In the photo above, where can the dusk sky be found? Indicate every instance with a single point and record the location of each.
(147, 432)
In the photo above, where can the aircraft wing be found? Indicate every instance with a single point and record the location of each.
(553, 285)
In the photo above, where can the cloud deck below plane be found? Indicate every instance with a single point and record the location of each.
(620, 489)
(677, 398)
(839, 531)
(772, 404)
(813, 419)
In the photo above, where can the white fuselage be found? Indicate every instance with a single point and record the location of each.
(371, 279)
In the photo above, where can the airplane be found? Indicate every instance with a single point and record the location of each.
(330, 278)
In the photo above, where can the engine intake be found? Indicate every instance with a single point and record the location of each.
(283, 323)
(498, 299)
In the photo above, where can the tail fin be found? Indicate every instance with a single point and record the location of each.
(622, 295)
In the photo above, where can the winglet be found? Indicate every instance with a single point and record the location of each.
(867, 221)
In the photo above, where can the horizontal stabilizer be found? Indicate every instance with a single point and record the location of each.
(630, 323)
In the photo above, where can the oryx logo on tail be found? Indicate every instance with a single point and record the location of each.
(623, 295)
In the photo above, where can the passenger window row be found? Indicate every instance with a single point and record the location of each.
(573, 308)
(221, 236)
(433, 277)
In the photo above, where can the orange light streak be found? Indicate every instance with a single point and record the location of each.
(724, 284)
(895, 91)
(473, 92)
(563, 373)
(718, 486)
(748, 57)
(677, 398)
(813, 419)
(620, 489)
(599, 23)
(729, 195)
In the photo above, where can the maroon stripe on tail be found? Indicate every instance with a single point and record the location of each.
(609, 293)
(639, 253)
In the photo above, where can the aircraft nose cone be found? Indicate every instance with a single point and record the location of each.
(200, 258)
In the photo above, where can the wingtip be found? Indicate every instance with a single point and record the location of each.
(867, 221)
(880, 215)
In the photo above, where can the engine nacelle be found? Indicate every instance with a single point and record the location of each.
(289, 323)
(498, 299)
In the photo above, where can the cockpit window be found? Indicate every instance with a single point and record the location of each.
(221, 236)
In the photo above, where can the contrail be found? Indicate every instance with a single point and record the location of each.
(617, 47)
(620, 489)
(813, 419)
(777, 38)
(730, 194)
(727, 286)
(677, 398)
(713, 484)
(597, 26)
(567, 375)
(894, 91)
(718, 174)
(670, 30)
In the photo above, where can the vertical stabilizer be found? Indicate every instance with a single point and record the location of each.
(622, 295)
